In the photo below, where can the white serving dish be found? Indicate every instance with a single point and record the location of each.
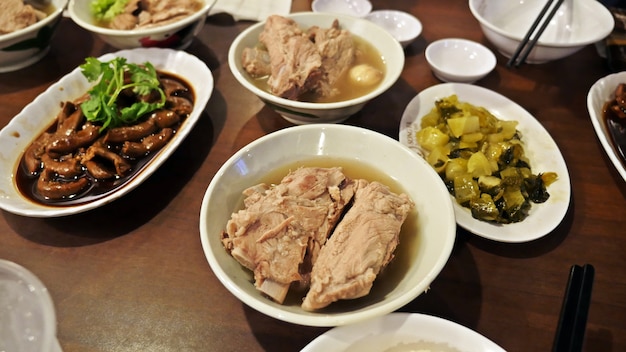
(39, 114)
(601, 92)
(540, 148)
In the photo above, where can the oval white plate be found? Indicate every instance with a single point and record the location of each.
(402, 332)
(599, 93)
(40, 113)
(540, 148)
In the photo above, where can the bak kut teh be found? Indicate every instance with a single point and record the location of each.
(317, 231)
(315, 64)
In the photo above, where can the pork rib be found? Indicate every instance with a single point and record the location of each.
(360, 247)
(282, 223)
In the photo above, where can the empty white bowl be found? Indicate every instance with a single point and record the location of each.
(505, 24)
(459, 60)
(356, 8)
(402, 25)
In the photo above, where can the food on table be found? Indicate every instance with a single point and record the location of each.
(100, 140)
(136, 14)
(316, 65)
(615, 108)
(17, 14)
(482, 161)
(294, 232)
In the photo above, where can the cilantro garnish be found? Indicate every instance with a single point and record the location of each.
(102, 105)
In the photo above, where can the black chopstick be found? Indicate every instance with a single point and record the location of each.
(570, 332)
(527, 46)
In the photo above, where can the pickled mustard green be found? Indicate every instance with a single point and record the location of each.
(481, 159)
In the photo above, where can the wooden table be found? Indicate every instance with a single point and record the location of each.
(132, 276)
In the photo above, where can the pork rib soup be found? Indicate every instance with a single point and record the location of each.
(319, 65)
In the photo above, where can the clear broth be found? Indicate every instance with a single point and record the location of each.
(366, 54)
(404, 255)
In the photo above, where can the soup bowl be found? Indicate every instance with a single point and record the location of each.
(302, 112)
(175, 35)
(426, 240)
(505, 24)
(28, 45)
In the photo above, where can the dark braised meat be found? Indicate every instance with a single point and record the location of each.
(75, 157)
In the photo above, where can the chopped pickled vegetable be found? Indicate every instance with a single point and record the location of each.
(481, 160)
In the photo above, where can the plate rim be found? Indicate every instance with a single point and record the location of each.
(407, 321)
(505, 233)
(597, 120)
(161, 58)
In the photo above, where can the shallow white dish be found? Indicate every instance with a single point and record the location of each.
(599, 93)
(459, 60)
(540, 148)
(402, 332)
(402, 25)
(40, 113)
(356, 8)
(434, 218)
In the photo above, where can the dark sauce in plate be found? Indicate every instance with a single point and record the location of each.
(26, 182)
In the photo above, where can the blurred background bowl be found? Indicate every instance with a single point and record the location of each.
(505, 24)
(425, 244)
(459, 60)
(356, 8)
(402, 25)
(26, 46)
(299, 112)
(177, 35)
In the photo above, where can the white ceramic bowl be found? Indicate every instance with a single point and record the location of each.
(177, 35)
(402, 25)
(459, 60)
(505, 24)
(299, 112)
(356, 8)
(26, 46)
(418, 265)
(599, 94)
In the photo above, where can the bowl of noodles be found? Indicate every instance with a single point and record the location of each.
(316, 67)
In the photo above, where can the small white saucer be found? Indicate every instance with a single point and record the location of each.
(402, 25)
(356, 8)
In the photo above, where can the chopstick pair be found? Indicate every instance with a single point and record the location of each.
(570, 332)
(527, 44)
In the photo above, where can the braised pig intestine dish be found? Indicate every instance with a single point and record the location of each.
(315, 65)
(100, 140)
(137, 14)
(317, 230)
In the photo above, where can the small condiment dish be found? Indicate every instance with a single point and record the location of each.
(356, 8)
(459, 60)
(402, 25)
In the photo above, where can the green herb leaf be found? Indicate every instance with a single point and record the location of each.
(113, 78)
(106, 10)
